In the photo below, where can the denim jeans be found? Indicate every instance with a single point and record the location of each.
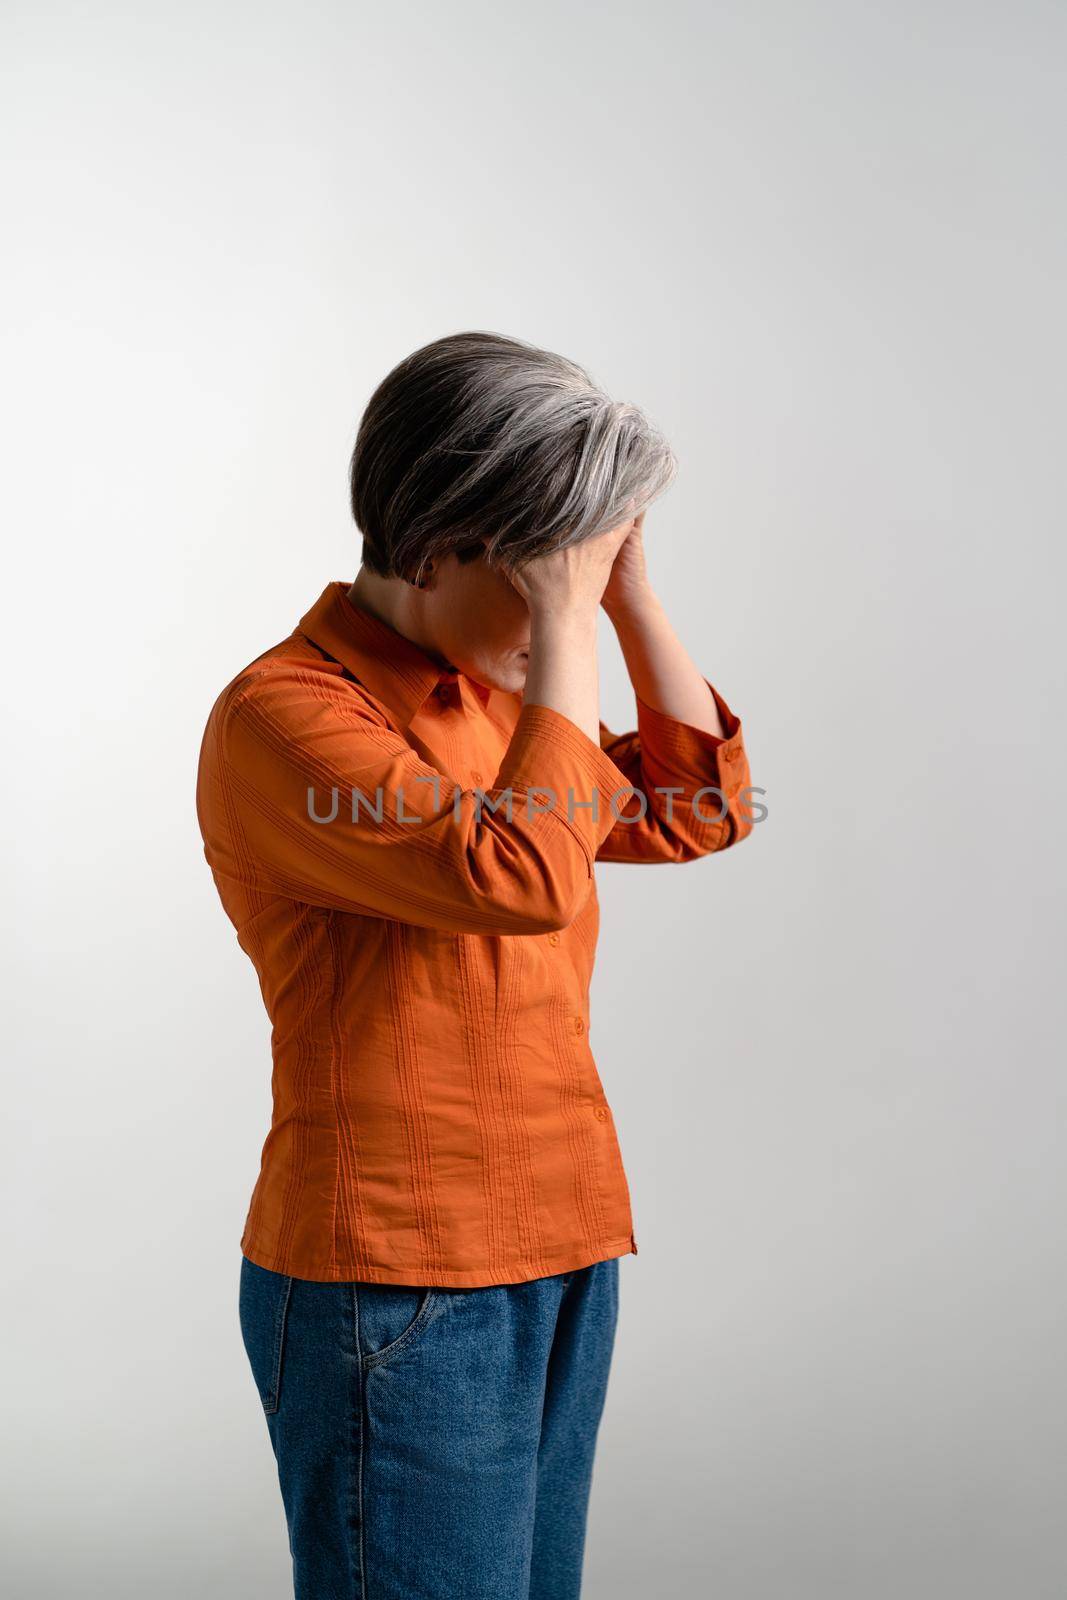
(433, 1444)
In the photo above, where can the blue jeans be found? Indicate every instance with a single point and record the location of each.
(433, 1444)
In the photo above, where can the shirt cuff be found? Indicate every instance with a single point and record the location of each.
(675, 752)
(550, 752)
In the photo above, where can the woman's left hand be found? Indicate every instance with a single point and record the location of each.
(628, 584)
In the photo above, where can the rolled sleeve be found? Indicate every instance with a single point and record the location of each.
(548, 752)
(693, 785)
(458, 860)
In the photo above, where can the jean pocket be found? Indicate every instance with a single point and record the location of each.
(391, 1320)
(263, 1307)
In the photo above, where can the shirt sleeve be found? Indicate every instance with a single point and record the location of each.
(305, 790)
(689, 788)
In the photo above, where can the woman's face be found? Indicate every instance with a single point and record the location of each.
(479, 621)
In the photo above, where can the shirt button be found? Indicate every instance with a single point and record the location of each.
(601, 1114)
(579, 1025)
(477, 777)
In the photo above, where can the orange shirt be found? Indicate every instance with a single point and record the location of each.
(438, 1118)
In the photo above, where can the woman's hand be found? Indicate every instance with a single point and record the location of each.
(563, 590)
(628, 586)
(572, 579)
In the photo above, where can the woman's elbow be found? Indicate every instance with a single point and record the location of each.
(542, 895)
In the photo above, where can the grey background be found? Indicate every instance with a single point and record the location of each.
(824, 245)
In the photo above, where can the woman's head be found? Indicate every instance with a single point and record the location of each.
(477, 454)
(486, 445)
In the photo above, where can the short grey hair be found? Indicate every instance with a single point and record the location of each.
(483, 444)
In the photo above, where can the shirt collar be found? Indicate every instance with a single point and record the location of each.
(395, 669)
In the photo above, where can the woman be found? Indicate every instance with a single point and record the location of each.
(401, 805)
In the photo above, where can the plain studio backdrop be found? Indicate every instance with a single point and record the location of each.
(824, 246)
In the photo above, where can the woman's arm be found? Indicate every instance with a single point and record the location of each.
(660, 669)
(686, 759)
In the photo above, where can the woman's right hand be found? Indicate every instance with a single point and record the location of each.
(574, 578)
